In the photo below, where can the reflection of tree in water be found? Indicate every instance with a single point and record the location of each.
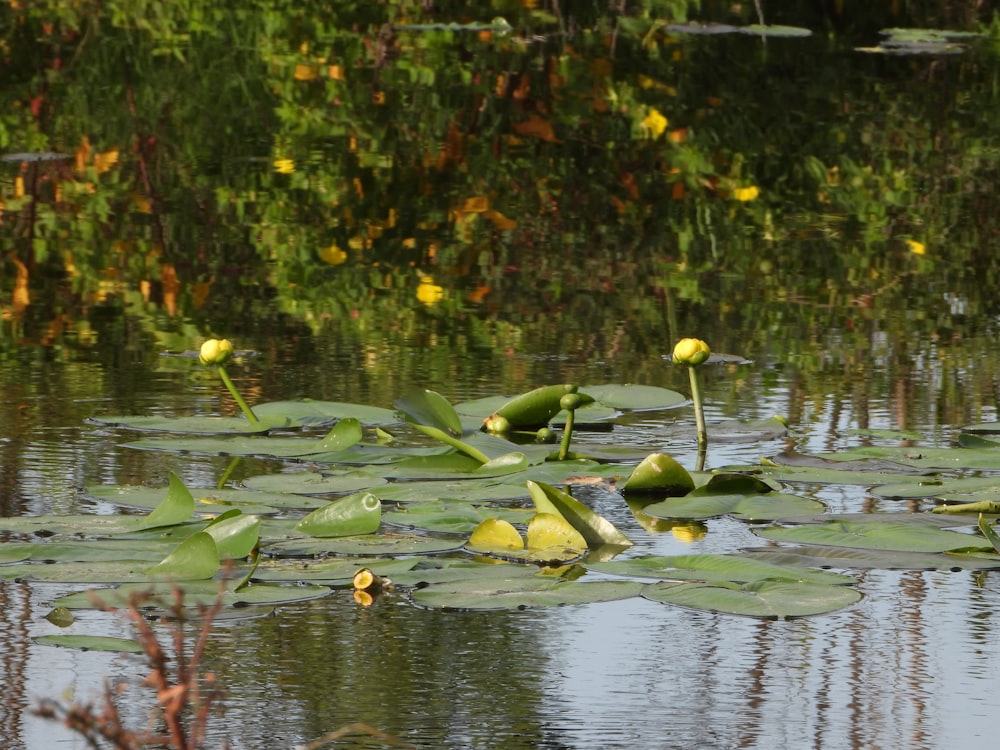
(435, 679)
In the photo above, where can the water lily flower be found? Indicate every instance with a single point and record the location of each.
(654, 122)
(691, 352)
(215, 352)
(428, 292)
(746, 194)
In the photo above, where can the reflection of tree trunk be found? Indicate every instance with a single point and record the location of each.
(15, 604)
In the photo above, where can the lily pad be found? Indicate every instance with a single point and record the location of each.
(632, 397)
(379, 545)
(91, 643)
(196, 558)
(320, 413)
(755, 507)
(207, 499)
(356, 514)
(769, 599)
(315, 483)
(881, 535)
(451, 516)
(332, 572)
(711, 568)
(864, 559)
(195, 425)
(519, 591)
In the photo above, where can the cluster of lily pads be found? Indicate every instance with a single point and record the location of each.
(470, 506)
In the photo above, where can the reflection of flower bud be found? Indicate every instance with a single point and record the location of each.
(691, 352)
(215, 352)
(691, 532)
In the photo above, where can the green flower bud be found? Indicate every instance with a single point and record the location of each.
(691, 352)
(497, 424)
(545, 435)
(215, 352)
(571, 401)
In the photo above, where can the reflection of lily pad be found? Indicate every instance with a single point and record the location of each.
(91, 643)
(196, 593)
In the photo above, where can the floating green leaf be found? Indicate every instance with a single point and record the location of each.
(360, 513)
(177, 506)
(629, 397)
(879, 535)
(197, 557)
(770, 599)
(195, 425)
(318, 413)
(865, 559)
(520, 591)
(368, 544)
(315, 483)
(755, 507)
(711, 568)
(235, 536)
(451, 516)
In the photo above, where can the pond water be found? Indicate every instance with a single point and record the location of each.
(486, 220)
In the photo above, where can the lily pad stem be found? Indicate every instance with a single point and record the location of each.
(699, 411)
(567, 435)
(244, 406)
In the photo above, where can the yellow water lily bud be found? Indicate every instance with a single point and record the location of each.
(215, 352)
(691, 352)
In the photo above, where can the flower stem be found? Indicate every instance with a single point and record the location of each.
(699, 411)
(247, 411)
(567, 435)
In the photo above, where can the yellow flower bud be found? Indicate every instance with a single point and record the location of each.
(691, 352)
(215, 352)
